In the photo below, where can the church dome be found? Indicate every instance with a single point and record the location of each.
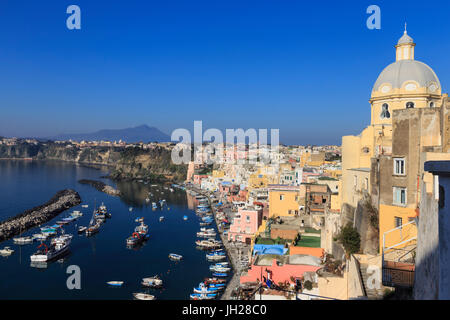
(401, 71)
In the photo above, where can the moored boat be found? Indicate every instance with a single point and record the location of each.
(23, 240)
(143, 296)
(6, 251)
(153, 282)
(115, 283)
(174, 256)
(56, 248)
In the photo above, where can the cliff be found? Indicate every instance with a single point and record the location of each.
(133, 163)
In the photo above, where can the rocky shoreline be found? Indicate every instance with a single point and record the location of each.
(102, 187)
(36, 216)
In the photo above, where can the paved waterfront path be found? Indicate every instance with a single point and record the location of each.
(231, 249)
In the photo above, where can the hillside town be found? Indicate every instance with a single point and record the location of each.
(358, 221)
(364, 220)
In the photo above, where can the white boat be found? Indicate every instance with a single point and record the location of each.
(147, 200)
(154, 282)
(55, 249)
(85, 206)
(6, 251)
(130, 209)
(143, 296)
(161, 219)
(115, 283)
(154, 206)
(77, 214)
(23, 240)
(62, 238)
(176, 257)
(40, 236)
(81, 229)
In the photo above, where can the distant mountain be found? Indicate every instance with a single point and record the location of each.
(142, 133)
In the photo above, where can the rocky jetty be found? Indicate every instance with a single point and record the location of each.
(102, 187)
(31, 218)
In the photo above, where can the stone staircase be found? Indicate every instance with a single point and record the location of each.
(372, 294)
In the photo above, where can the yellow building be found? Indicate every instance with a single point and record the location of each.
(386, 159)
(284, 200)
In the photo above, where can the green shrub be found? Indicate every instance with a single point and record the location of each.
(350, 239)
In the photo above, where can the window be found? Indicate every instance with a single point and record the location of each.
(247, 218)
(385, 114)
(409, 105)
(281, 197)
(366, 183)
(398, 222)
(399, 166)
(355, 181)
(399, 196)
(431, 104)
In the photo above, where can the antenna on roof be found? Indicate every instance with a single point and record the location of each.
(405, 27)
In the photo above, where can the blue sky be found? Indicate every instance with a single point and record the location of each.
(304, 67)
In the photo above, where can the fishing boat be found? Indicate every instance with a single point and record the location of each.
(62, 238)
(203, 234)
(205, 224)
(23, 240)
(82, 229)
(77, 214)
(6, 251)
(55, 249)
(40, 236)
(69, 219)
(185, 218)
(141, 219)
(93, 229)
(143, 296)
(215, 258)
(62, 222)
(202, 296)
(140, 234)
(85, 206)
(152, 282)
(115, 283)
(161, 219)
(202, 288)
(219, 269)
(174, 256)
(130, 209)
(220, 274)
(215, 281)
(154, 206)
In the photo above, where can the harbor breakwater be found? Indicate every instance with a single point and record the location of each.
(36, 216)
(102, 187)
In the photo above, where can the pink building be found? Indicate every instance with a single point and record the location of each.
(245, 224)
(281, 270)
(198, 178)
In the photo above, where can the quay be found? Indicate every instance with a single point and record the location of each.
(234, 252)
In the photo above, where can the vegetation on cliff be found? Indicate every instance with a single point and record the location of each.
(131, 163)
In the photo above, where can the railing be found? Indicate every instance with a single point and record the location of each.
(395, 273)
(396, 277)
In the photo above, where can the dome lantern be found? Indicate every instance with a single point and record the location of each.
(405, 47)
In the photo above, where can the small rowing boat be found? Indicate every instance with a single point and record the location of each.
(143, 296)
(174, 256)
